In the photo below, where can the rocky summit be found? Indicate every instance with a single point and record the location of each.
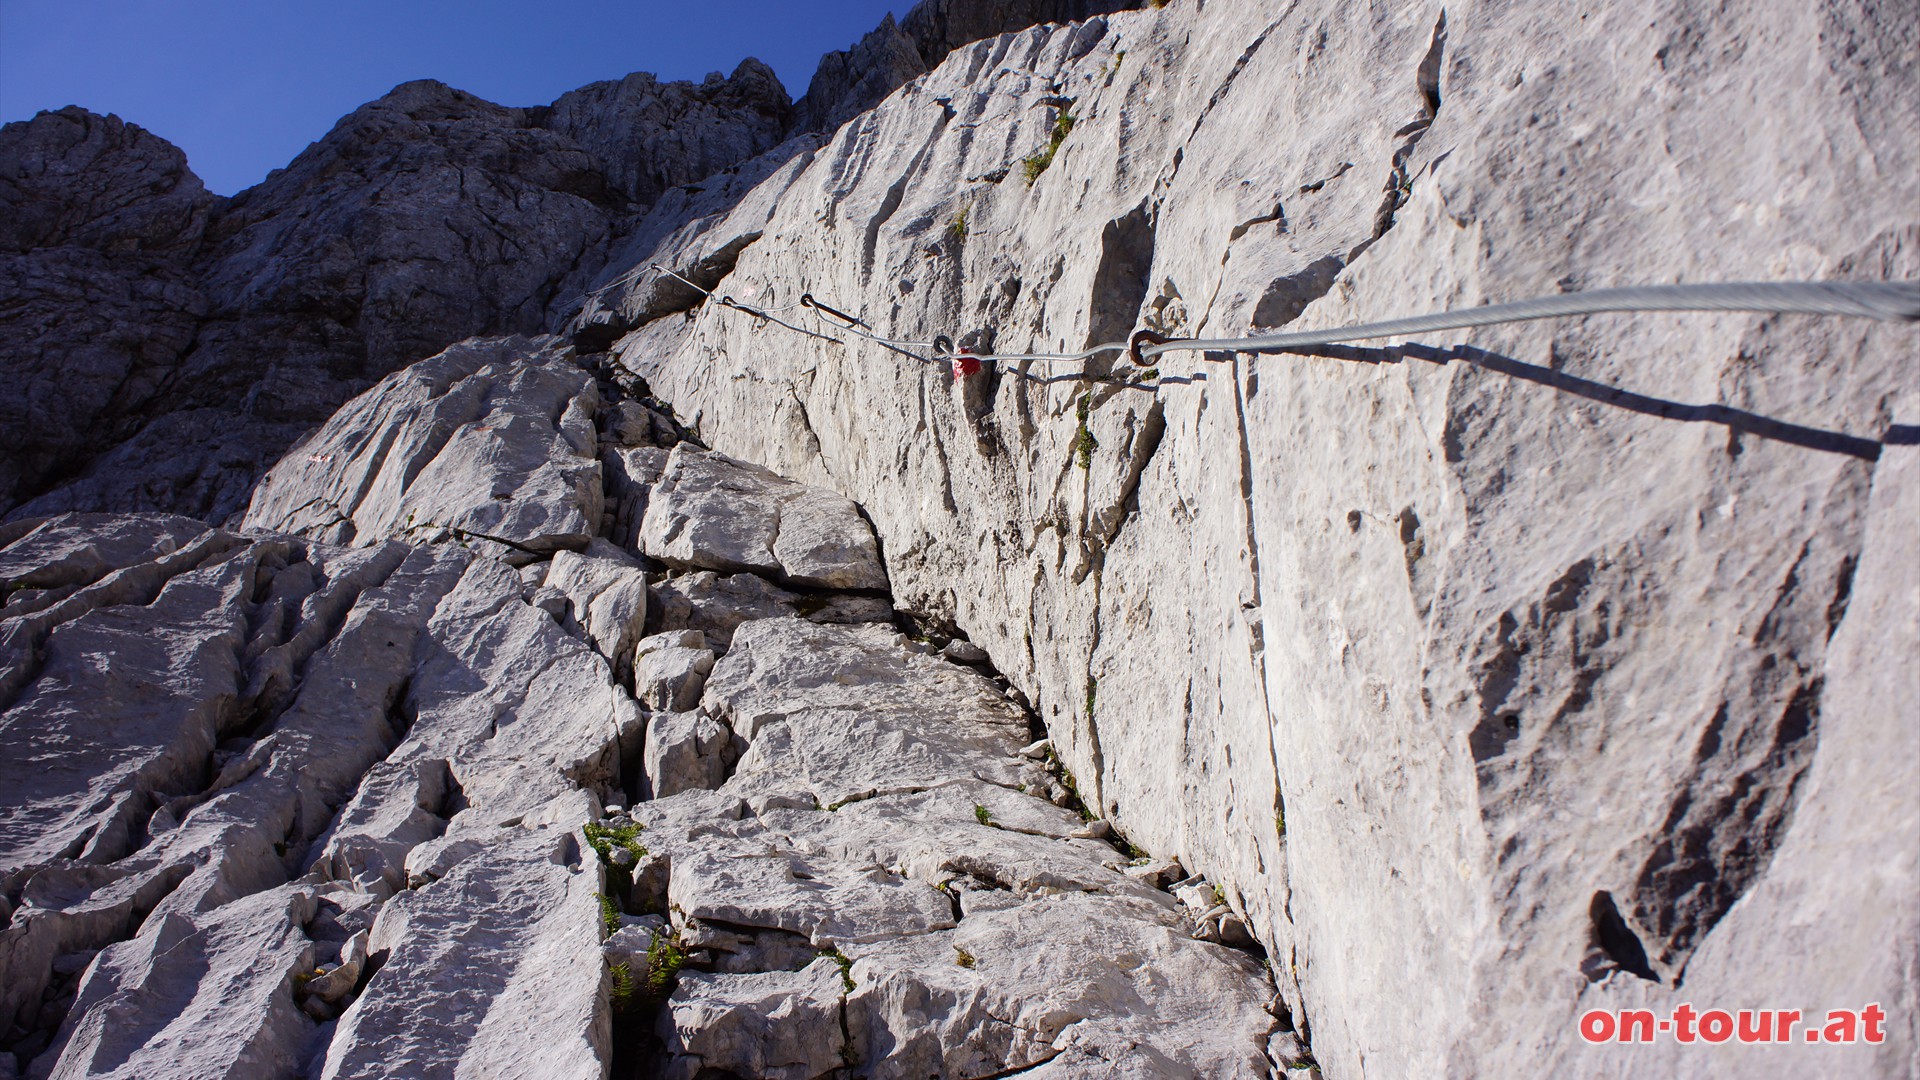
(643, 587)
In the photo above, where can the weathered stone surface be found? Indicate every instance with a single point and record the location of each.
(633, 942)
(68, 551)
(422, 218)
(628, 474)
(670, 670)
(71, 177)
(1088, 986)
(1544, 668)
(228, 713)
(493, 970)
(397, 808)
(648, 136)
(208, 800)
(711, 512)
(526, 712)
(493, 438)
(194, 994)
(87, 337)
(852, 81)
(606, 592)
(905, 887)
(782, 1025)
(338, 981)
(686, 751)
(843, 712)
(717, 605)
(1425, 656)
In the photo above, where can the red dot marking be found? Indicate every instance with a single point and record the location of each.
(1666, 1025)
(1813, 1036)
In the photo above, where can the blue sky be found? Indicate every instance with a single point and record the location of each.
(243, 87)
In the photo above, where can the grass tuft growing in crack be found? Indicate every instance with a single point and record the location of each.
(624, 989)
(962, 957)
(1084, 444)
(1079, 805)
(609, 914)
(1035, 164)
(846, 966)
(982, 814)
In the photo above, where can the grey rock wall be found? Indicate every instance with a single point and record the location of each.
(1494, 675)
(1472, 682)
(647, 136)
(341, 796)
(168, 345)
(849, 82)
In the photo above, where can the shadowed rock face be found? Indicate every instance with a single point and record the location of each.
(71, 178)
(649, 136)
(168, 344)
(99, 221)
(214, 331)
(850, 82)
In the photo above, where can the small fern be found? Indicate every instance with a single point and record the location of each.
(623, 988)
(664, 959)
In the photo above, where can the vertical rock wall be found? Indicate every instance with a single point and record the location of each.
(1498, 675)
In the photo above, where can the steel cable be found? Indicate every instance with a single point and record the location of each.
(1887, 301)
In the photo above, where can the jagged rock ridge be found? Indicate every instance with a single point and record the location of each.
(200, 336)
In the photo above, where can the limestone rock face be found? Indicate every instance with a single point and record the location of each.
(220, 753)
(717, 604)
(671, 669)
(100, 219)
(963, 922)
(376, 247)
(1371, 710)
(1506, 658)
(649, 136)
(323, 795)
(74, 179)
(497, 946)
(783, 1025)
(685, 750)
(852, 81)
(711, 512)
(815, 703)
(606, 595)
(491, 438)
